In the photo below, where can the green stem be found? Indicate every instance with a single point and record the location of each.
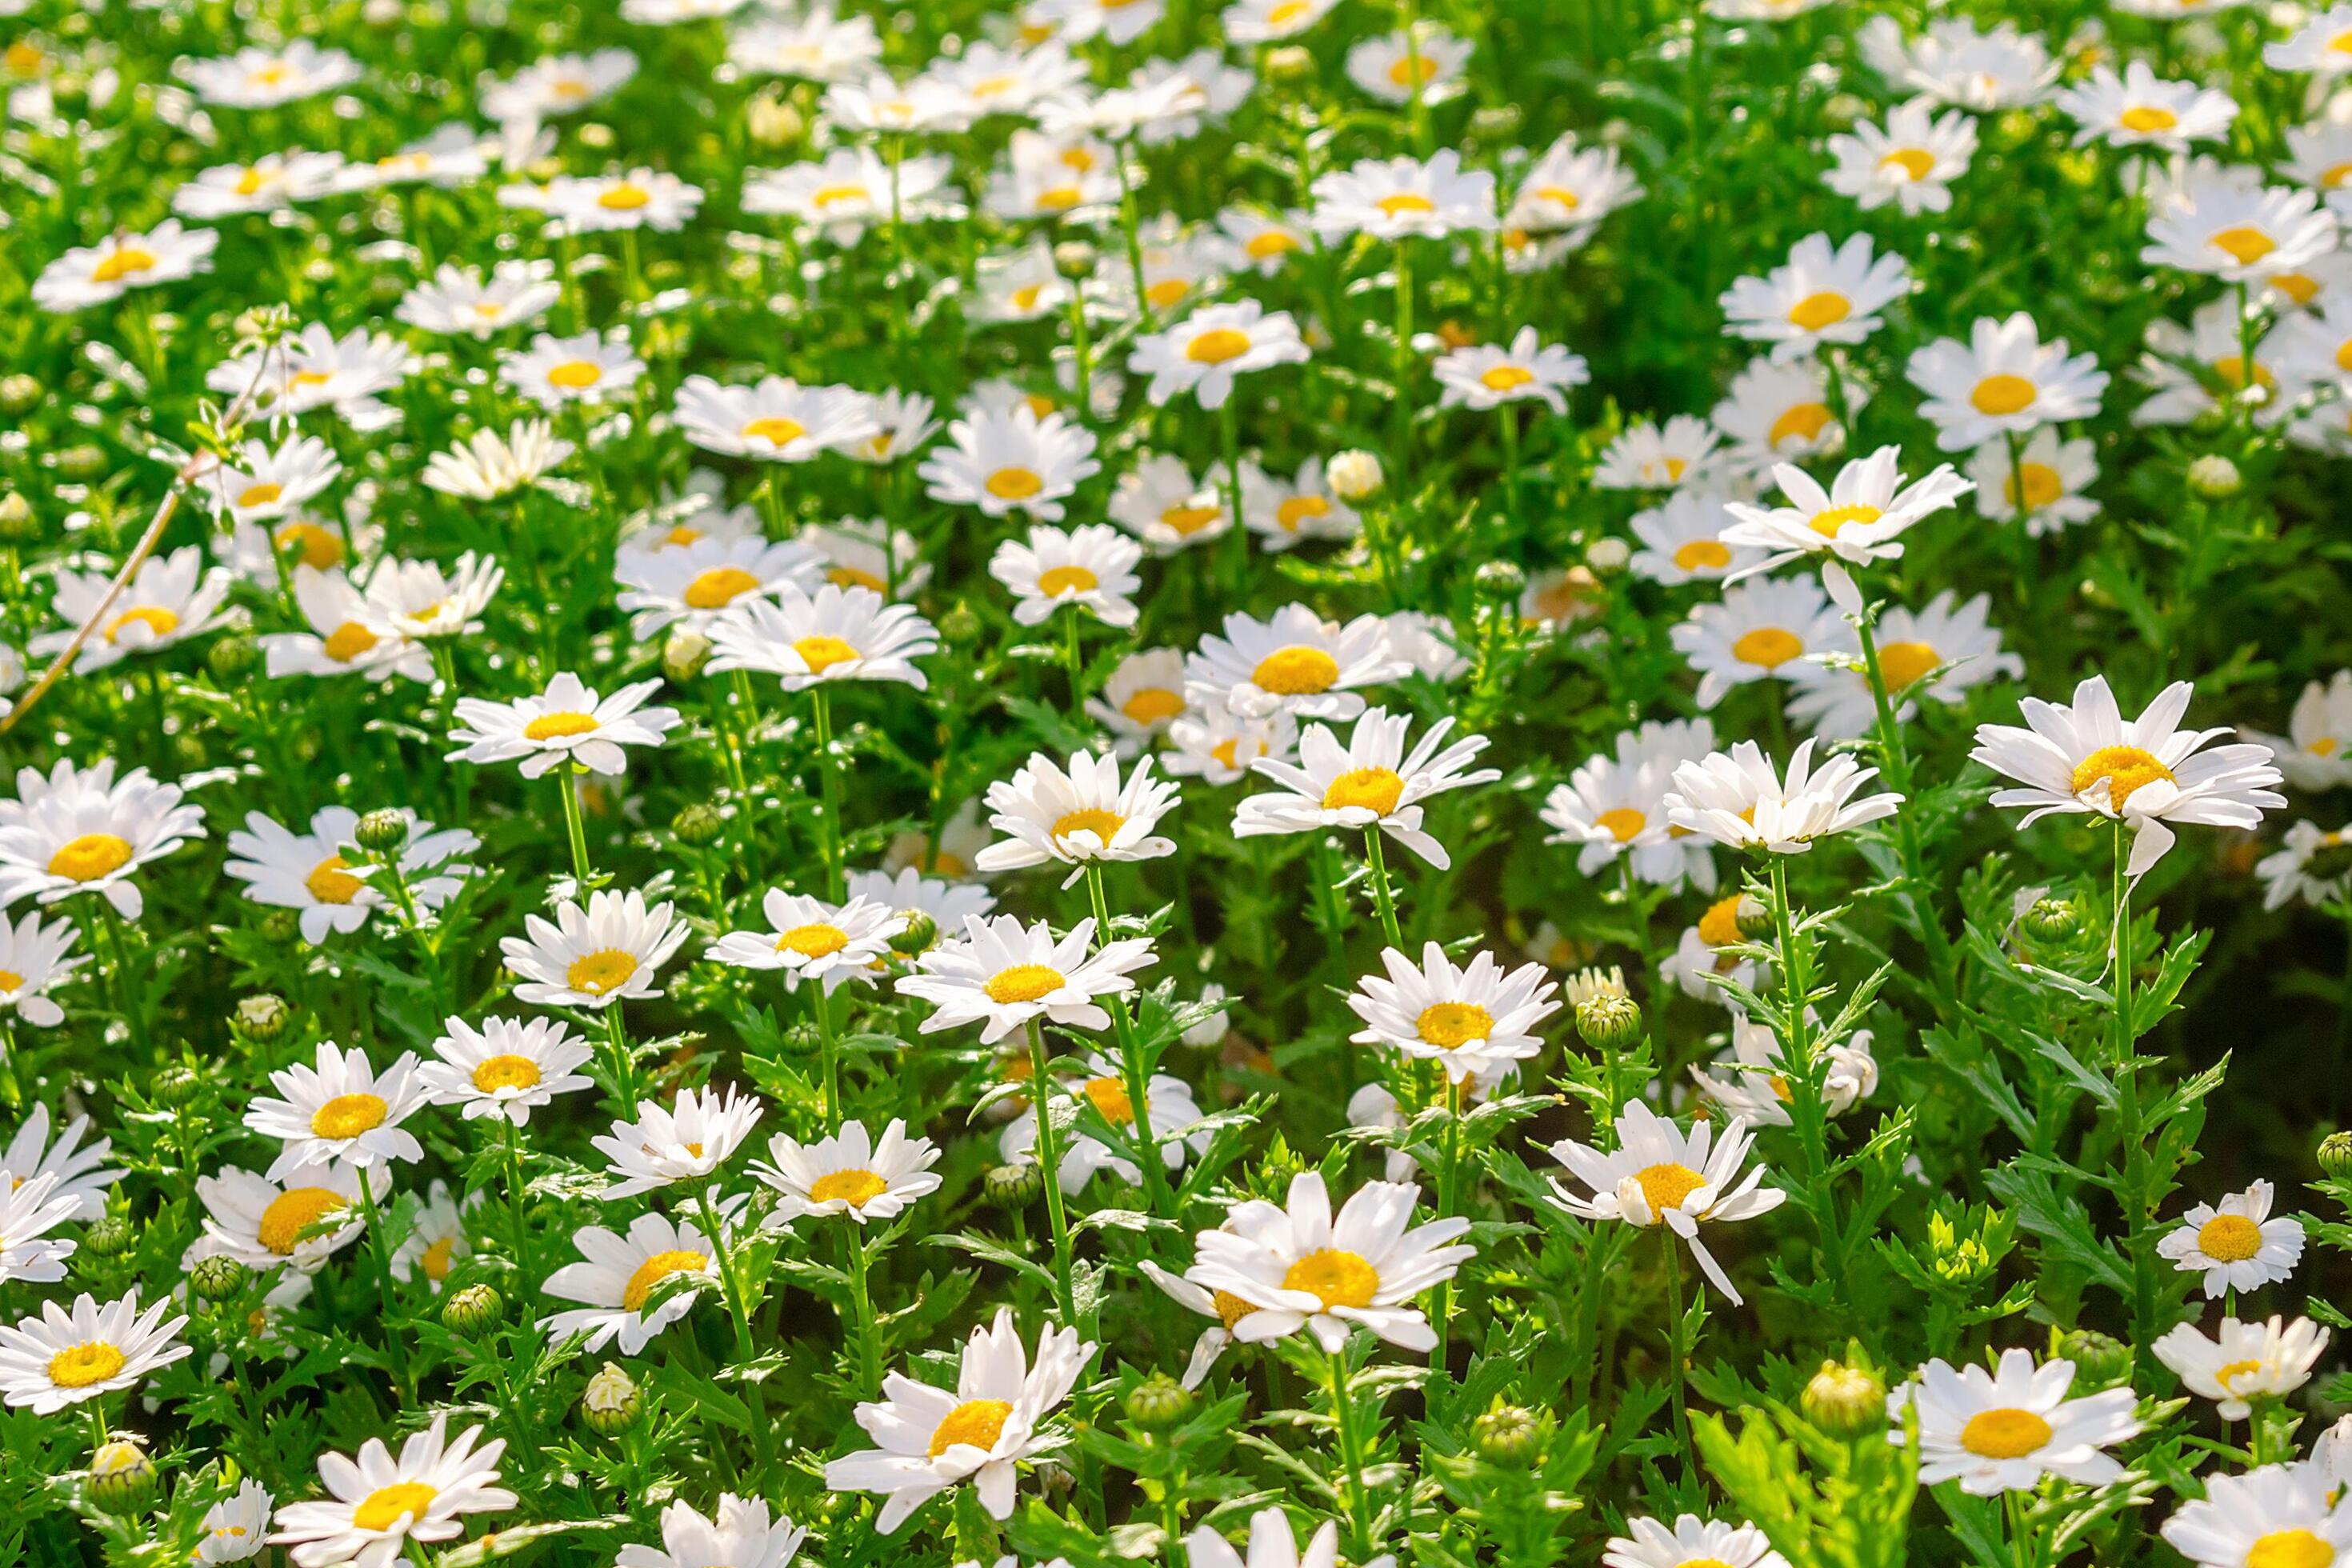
(1075, 662)
(380, 1251)
(1132, 1067)
(624, 1064)
(822, 1006)
(1343, 1412)
(1675, 1350)
(869, 1339)
(1049, 1161)
(1449, 1201)
(1383, 899)
(829, 823)
(730, 1286)
(574, 825)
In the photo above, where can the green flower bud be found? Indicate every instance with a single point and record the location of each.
(19, 393)
(2336, 1155)
(1496, 123)
(2214, 477)
(1074, 259)
(217, 1278)
(611, 1402)
(1754, 918)
(1508, 1435)
(122, 1476)
(17, 525)
(110, 1237)
(921, 934)
(82, 463)
(1500, 582)
(684, 653)
(2052, 920)
(260, 1018)
(960, 626)
(175, 1085)
(1609, 1021)
(772, 121)
(1288, 63)
(1847, 1401)
(382, 831)
(472, 1309)
(1356, 476)
(231, 658)
(2100, 1360)
(1014, 1186)
(281, 927)
(698, 825)
(1158, 1402)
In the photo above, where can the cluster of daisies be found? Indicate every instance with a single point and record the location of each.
(1064, 743)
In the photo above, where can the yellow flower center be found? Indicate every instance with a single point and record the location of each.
(1917, 162)
(717, 587)
(775, 428)
(506, 1071)
(2228, 1239)
(1623, 822)
(1376, 790)
(1231, 1308)
(601, 973)
(122, 265)
(1103, 825)
(821, 652)
(1167, 292)
(1269, 243)
(437, 1258)
(1022, 982)
(251, 181)
(1408, 70)
(1014, 484)
(814, 941)
(387, 1506)
(90, 856)
(154, 617)
(2299, 286)
(1703, 556)
(2008, 1434)
(1067, 580)
(656, 1268)
(2043, 486)
(1336, 1279)
(832, 194)
(1828, 523)
(294, 1211)
(576, 373)
(1298, 509)
(1507, 378)
(976, 1422)
(347, 641)
(559, 726)
(1720, 927)
(855, 1188)
(2126, 769)
(2147, 119)
(81, 1365)
(2245, 244)
(851, 577)
(1295, 671)
(11, 982)
(1188, 520)
(1802, 421)
(321, 548)
(1224, 751)
(1406, 202)
(1999, 395)
(349, 1115)
(1059, 199)
(2289, 1549)
(1769, 646)
(2228, 1374)
(329, 883)
(624, 198)
(1560, 194)
(1448, 1026)
(1111, 1098)
(1217, 345)
(1152, 705)
(1666, 1186)
(2231, 370)
(1815, 311)
(1904, 662)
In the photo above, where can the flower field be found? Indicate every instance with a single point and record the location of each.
(1402, 782)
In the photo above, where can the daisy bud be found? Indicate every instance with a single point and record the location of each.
(1053, 1476)
(1014, 1186)
(110, 1238)
(597, 134)
(1508, 1435)
(1608, 554)
(1847, 1401)
(2052, 920)
(1842, 108)
(281, 927)
(698, 825)
(230, 659)
(773, 122)
(2100, 1360)
(173, 1086)
(2335, 1158)
(1074, 259)
(1496, 123)
(1288, 63)
(1609, 1021)
(260, 1018)
(2214, 477)
(1356, 475)
(217, 1278)
(959, 625)
(122, 1476)
(1499, 582)
(1585, 984)
(476, 1308)
(922, 933)
(382, 831)
(611, 1402)
(684, 653)
(19, 393)
(80, 464)
(1158, 1402)
(1754, 918)
(16, 525)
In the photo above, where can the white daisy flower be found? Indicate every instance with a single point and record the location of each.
(2321, 45)
(987, 78)
(1429, 643)
(1265, 241)
(340, 1110)
(639, 198)
(2004, 380)
(597, 956)
(1740, 800)
(63, 1357)
(376, 1505)
(2053, 474)
(81, 830)
(456, 301)
(568, 722)
(265, 1224)
(819, 45)
(2145, 773)
(485, 466)
(1822, 296)
(908, 890)
(2287, 1514)
(415, 599)
(1370, 781)
(1268, 21)
(30, 1208)
(1160, 503)
(1570, 189)
(1750, 1081)
(1390, 66)
(1484, 376)
(868, 552)
(1203, 353)
(1953, 62)
(308, 871)
(809, 939)
(740, 1535)
(1172, 100)
(1708, 954)
(616, 1276)
(1910, 161)
(1001, 974)
(265, 485)
(1690, 1543)
(921, 106)
(1296, 664)
(169, 599)
(1021, 286)
(2316, 753)
(1272, 1544)
(1077, 817)
(450, 156)
(2140, 109)
(315, 368)
(90, 275)
(851, 1173)
(2181, 366)
(1168, 1107)
(1780, 412)
(236, 1528)
(903, 422)
(1400, 198)
(848, 190)
(272, 180)
(1285, 512)
(349, 635)
(1645, 456)
(1941, 652)
(588, 367)
(1222, 1305)
(1767, 628)
(2236, 1246)
(1861, 517)
(1220, 747)
(1298, 1266)
(1682, 542)
(2004, 1431)
(1615, 804)
(28, 1154)
(1144, 694)
(775, 420)
(2222, 228)
(255, 77)
(1659, 1174)
(693, 588)
(836, 635)
(1045, 179)
(33, 963)
(437, 1241)
(1091, 567)
(2243, 1362)
(1472, 1018)
(1075, 21)
(1008, 461)
(2312, 865)
(932, 1439)
(507, 1068)
(684, 1142)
